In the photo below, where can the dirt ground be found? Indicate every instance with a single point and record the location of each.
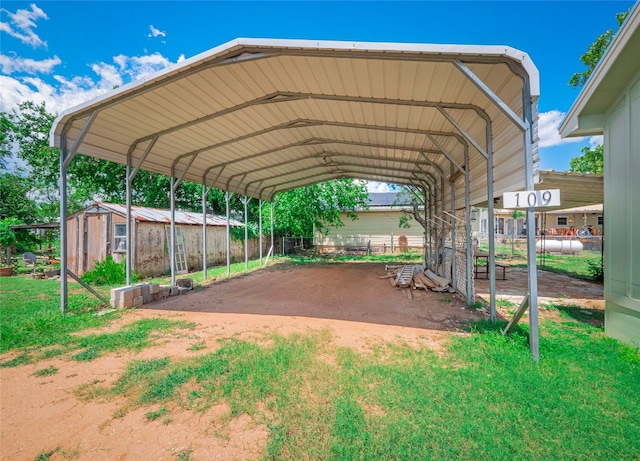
(43, 414)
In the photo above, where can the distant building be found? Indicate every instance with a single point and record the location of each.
(569, 222)
(376, 229)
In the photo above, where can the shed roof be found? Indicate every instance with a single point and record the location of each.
(260, 116)
(145, 214)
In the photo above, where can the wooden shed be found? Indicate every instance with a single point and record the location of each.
(100, 230)
(377, 228)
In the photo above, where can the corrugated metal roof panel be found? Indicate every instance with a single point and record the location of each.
(141, 213)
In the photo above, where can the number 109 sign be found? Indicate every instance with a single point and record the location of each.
(531, 198)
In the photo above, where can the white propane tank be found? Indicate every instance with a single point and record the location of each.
(559, 246)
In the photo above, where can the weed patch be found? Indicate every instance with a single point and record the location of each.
(46, 371)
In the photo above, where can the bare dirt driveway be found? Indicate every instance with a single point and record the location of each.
(44, 414)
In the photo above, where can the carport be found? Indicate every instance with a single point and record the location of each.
(455, 123)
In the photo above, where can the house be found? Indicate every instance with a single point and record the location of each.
(609, 105)
(569, 222)
(377, 229)
(99, 231)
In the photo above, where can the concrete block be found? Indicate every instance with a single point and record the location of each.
(155, 296)
(138, 301)
(154, 288)
(165, 290)
(182, 290)
(173, 291)
(137, 291)
(144, 289)
(122, 293)
(124, 303)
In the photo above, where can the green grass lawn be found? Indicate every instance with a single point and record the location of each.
(482, 398)
(577, 266)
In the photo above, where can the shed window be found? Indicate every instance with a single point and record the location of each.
(120, 238)
(562, 221)
(600, 220)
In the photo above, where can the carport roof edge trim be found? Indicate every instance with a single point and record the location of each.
(489, 53)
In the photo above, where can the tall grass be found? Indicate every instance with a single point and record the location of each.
(30, 313)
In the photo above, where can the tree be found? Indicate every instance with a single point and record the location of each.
(591, 160)
(299, 211)
(594, 53)
(14, 198)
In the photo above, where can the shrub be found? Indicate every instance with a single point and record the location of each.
(109, 272)
(595, 268)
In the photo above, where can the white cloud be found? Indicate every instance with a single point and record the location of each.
(548, 125)
(596, 141)
(156, 32)
(21, 25)
(140, 66)
(181, 58)
(10, 65)
(64, 92)
(374, 186)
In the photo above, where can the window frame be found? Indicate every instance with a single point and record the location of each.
(119, 238)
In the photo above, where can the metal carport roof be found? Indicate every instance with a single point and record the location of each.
(261, 116)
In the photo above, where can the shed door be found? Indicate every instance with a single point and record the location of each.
(96, 239)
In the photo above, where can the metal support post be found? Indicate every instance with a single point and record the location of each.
(63, 225)
(492, 242)
(246, 236)
(467, 213)
(129, 180)
(65, 161)
(228, 238)
(204, 232)
(426, 230)
(260, 227)
(531, 226)
(442, 227)
(454, 281)
(172, 247)
(272, 250)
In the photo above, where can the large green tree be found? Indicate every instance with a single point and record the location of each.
(591, 160)
(297, 211)
(14, 198)
(594, 53)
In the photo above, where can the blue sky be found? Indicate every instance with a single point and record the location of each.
(67, 52)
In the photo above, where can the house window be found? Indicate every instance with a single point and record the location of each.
(600, 220)
(120, 238)
(562, 221)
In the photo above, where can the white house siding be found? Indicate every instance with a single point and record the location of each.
(622, 216)
(378, 227)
